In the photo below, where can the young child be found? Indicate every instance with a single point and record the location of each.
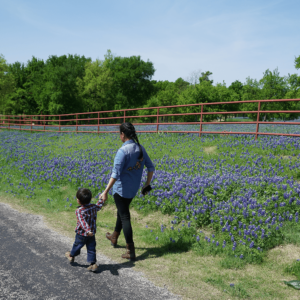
(85, 230)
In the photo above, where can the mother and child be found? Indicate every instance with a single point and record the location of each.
(125, 180)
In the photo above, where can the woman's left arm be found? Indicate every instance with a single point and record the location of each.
(111, 182)
(116, 172)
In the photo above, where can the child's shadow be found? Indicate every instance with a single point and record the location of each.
(113, 268)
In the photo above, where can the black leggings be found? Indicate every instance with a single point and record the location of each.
(123, 219)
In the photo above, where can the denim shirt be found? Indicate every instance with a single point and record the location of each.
(128, 169)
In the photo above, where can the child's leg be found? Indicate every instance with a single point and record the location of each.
(80, 241)
(91, 249)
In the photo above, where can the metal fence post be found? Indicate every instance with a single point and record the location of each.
(157, 120)
(201, 119)
(98, 122)
(76, 123)
(257, 120)
(124, 118)
(59, 123)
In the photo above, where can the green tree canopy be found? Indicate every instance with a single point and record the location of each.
(7, 85)
(59, 91)
(205, 77)
(237, 87)
(132, 85)
(297, 62)
(27, 78)
(95, 86)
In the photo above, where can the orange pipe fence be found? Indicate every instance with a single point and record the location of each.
(19, 122)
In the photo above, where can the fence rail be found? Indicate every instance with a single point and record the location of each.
(41, 122)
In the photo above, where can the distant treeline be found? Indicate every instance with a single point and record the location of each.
(72, 83)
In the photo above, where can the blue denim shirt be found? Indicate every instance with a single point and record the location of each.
(128, 169)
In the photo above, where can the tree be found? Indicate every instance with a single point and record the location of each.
(226, 95)
(166, 95)
(294, 87)
(180, 85)
(205, 77)
(27, 77)
(132, 85)
(275, 87)
(237, 87)
(59, 92)
(251, 91)
(204, 92)
(95, 86)
(271, 86)
(7, 84)
(297, 62)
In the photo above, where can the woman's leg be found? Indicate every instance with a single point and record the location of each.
(124, 215)
(118, 227)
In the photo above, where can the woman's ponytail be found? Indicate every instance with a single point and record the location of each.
(140, 147)
(130, 132)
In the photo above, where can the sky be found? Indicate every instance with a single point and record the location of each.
(233, 39)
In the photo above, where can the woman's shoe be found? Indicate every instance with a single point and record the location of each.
(113, 238)
(130, 252)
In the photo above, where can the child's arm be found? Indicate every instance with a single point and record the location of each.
(99, 204)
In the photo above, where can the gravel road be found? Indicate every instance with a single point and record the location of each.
(33, 266)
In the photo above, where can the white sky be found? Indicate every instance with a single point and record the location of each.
(233, 39)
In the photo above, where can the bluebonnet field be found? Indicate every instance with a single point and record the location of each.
(227, 195)
(207, 127)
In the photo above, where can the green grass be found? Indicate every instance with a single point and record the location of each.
(195, 271)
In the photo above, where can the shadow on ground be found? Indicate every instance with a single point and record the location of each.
(148, 254)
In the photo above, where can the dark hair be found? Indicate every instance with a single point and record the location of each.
(128, 129)
(84, 196)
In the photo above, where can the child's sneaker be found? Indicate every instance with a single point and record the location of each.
(70, 258)
(93, 268)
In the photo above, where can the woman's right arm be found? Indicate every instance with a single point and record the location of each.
(148, 164)
(149, 178)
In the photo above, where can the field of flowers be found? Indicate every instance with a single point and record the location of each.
(227, 195)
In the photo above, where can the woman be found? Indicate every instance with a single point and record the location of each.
(125, 179)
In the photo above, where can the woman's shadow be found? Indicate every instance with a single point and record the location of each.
(149, 253)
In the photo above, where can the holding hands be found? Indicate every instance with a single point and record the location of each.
(103, 196)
